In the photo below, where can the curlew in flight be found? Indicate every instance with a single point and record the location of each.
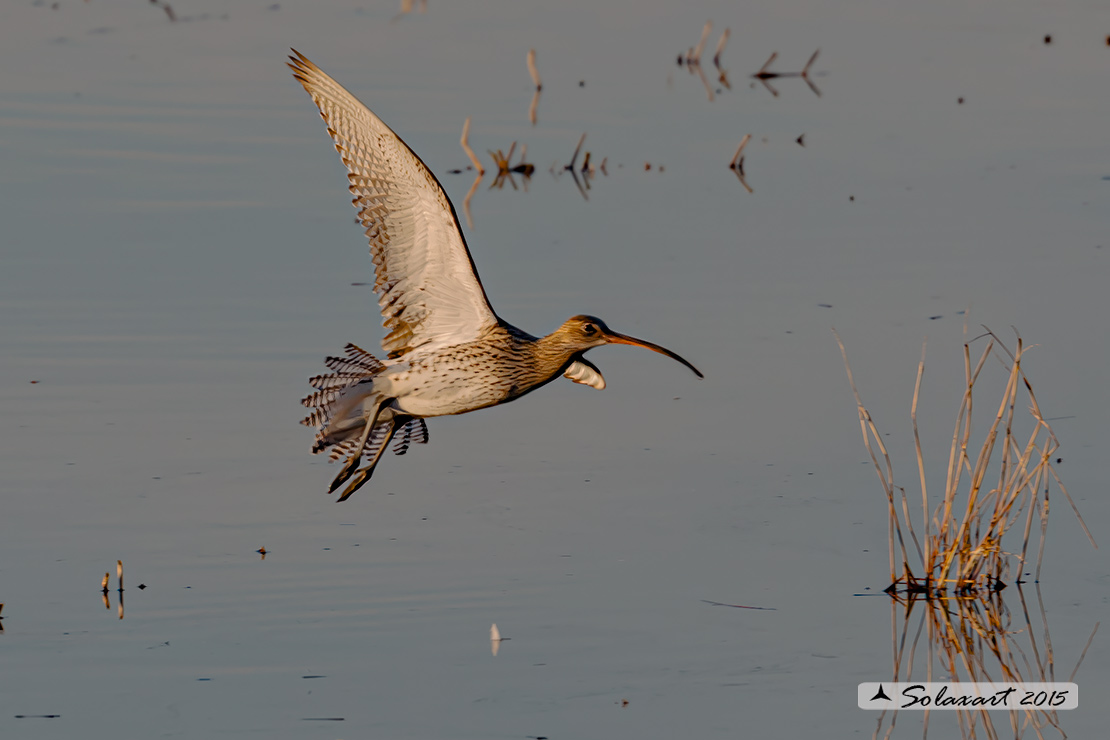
(447, 352)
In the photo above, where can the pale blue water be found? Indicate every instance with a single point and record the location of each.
(178, 256)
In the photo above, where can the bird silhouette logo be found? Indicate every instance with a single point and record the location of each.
(880, 694)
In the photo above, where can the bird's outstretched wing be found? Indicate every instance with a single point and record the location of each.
(427, 285)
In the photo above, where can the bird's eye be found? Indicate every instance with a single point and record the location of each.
(589, 329)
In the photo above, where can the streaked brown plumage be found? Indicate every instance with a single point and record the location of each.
(448, 352)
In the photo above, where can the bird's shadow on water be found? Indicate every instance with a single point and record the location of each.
(974, 638)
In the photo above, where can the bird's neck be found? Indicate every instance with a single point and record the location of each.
(552, 354)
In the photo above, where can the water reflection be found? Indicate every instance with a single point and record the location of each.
(495, 639)
(971, 634)
(586, 171)
(737, 163)
(764, 74)
(104, 588)
(974, 639)
(692, 59)
(581, 173)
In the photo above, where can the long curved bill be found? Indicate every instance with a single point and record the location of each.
(615, 338)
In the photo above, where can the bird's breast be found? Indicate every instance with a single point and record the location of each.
(461, 379)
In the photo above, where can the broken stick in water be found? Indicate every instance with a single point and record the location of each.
(468, 150)
(695, 57)
(532, 69)
(720, 48)
(736, 163)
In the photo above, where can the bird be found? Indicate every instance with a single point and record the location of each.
(446, 350)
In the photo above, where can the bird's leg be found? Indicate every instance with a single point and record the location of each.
(364, 474)
(352, 462)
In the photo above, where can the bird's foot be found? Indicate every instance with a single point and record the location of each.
(357, 482)
(346, 472)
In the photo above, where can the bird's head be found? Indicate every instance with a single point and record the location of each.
(585, 332)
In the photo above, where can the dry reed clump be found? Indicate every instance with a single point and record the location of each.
(961, 547)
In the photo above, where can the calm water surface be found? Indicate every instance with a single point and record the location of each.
(178, 256)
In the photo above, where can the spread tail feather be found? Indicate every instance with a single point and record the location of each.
(359, 366)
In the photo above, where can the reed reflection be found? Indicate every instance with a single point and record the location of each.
(975, 638)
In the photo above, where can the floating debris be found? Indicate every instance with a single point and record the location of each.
(522, 167)
(262, 550)
(505, 168)
(501, 160)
